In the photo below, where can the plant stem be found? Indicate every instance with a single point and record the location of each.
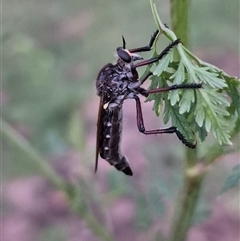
(185, 207)
(8, 133)
(179, 16)
(188, 197)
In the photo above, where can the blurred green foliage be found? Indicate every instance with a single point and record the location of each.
(233, 179)
(53, 233)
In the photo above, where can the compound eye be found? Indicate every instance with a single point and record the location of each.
(124, 55)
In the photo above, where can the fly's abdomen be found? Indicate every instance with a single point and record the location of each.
(124, 166)
(111, 140)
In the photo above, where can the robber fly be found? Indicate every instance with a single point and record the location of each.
(118, 82)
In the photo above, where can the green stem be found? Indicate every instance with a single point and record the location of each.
(85, 198)
(191, 157)
(188, 197)
(8, 133)
(186, 203)
(194, 169)
(185, 207)
(194, 174)
(98, 228)
(179, 16)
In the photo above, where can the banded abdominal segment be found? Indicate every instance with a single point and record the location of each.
(110, 148)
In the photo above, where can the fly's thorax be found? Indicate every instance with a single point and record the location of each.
(124, 65)
(114, 79)
(103, 77)
(125, 69)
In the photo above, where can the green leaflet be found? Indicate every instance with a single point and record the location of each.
(178, 120)
(163, 64)
(174, 97)
(201, 131)
(209, 77)
(199, 110)
(211, 111)
(233, 92)
(179, 76)
(157, 106)
(185, 102)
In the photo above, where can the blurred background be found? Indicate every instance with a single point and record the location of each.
(51, 54)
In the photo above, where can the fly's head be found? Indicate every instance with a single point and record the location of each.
(125, 57)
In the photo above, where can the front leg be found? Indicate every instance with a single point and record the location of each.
(160, 56)
(148, 47)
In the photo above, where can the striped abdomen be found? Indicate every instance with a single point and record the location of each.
(111, 140)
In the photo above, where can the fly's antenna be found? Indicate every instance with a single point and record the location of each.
(124, 42)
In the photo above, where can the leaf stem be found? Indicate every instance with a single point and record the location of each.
(8, 133)
(185, 207)
(208, 113)
(179, 16)
(188, 197)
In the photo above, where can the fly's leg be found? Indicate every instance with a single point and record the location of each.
(148, 47)
(144, 78)
(174, 87)
(136, 86)
(160, 56)
(170, 130)
(145, 92)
